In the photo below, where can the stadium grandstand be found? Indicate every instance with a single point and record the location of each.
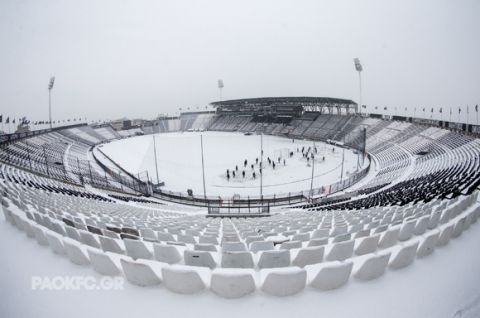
(418, 192)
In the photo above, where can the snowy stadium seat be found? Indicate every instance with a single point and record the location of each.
(233, 247)
(182, 279)
(405, 256)
(367, 245)
(207, 239)
(199, 258)
(308, 256)
(88, 239)
(237, 260)
(406, 231)
(258, 246)
(102, 262)
(72, 233)
(333, 275)
(320, 233)
(291, 245)
(40, 235)
(137, 249)
(255, 238)
(458, 228)
(74, 252)
(318, 242)
(205, 247)
(55, 242)
(275, 258)
(230, 283)
(284, 281)
(373, 267)
(110, 245)
(340, 251)
(140, 274)
(427, 245)
(389, 237)
(166, 253)
(445, 235)
(165, 237)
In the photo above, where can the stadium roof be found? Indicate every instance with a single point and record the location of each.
(284, 100)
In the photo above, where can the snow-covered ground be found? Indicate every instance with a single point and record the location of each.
(442, 285)
(180, 165)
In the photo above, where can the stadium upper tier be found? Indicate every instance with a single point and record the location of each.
(420, 193)
(283, 106)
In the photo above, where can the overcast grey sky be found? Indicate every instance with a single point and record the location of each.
(144, 57)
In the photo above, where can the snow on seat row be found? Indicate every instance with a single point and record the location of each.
(413, 205)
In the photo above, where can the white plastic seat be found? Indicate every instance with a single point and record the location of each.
(373, 267)
(102, 262)
(367, 245)
(341, 251)
(272, 259)
(333, 275)
(237, 260)
(206, 239)
(308, 256)
(205, 247)
(148, 234)
(445, 235)
(389, 238)
(74, 252)
(27, 226)
(284, 281)
(8, 216)
(258, 246)
(137, 249)
(55, 242)
(165, 237)
(110, 245)
(318, 242)
(72, 233)
(421, 225)
(302, 237)
(167, 253)
(189, 239)
(427, 246)
(182, 279)
(434, 219)
(199, 258)
(88, 239)
(458, 228)
(406, 231)
(320, 233)
(290, 245)
(229, 283)
(233, 247)
(405, 256)
(40, 235)
(254, 238)
(140, 274)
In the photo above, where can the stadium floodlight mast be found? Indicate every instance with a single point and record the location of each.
(50, 87)
(313, 172)
(155, 156)
(203, 169)
(261, 165)
(220, 87)
(359, 69)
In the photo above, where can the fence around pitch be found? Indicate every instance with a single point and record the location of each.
(259, 201)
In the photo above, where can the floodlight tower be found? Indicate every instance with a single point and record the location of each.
(220, 87)
(359, 69)
(50, 87)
